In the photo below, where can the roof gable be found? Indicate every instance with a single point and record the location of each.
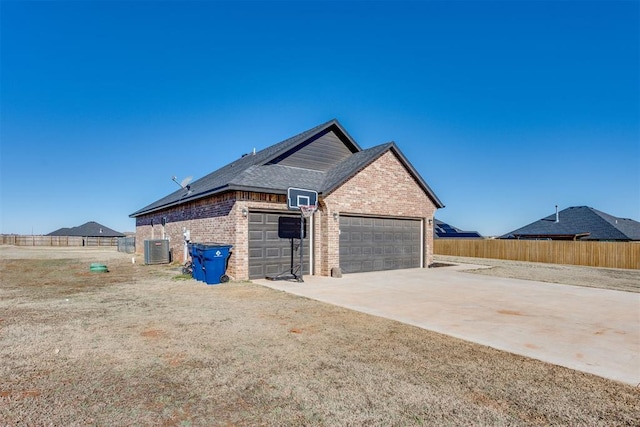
(358, 161)
(321, 152)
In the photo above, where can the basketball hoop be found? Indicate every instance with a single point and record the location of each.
(307, 210)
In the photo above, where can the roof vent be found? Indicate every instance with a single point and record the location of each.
(557, 215)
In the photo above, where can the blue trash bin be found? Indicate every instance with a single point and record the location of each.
(214, 261)
(196, 261)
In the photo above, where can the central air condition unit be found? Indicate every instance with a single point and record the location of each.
(156, 252)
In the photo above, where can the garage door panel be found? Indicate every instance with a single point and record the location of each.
(256, 236)
(256, 271)
(273, 253)
(272, 269)
(256, 252)
(374, 244)
(272, 236)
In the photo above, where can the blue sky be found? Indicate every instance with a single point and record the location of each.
(506, 108)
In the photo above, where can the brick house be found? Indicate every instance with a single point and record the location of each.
(375, 212)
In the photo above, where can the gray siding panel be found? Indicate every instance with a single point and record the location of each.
(321, 154)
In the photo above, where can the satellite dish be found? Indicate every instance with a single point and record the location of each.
(184, 183)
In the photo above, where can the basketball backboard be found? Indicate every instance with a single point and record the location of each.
(299, 196)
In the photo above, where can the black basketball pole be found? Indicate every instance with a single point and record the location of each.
(301, 244)
(291, 268)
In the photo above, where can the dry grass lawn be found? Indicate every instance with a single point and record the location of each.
(605, 278)
(140, 345)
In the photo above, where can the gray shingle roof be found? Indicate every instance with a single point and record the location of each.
(446, 231)
(255, 172)
(279, 178)
(89, 229)
(579, 221)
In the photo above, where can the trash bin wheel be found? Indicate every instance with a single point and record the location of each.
(224, 278)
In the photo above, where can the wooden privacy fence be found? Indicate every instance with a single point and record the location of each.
(593, 254)
(17, 240)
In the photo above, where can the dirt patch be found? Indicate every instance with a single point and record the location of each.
(136, 347)
(593, 277)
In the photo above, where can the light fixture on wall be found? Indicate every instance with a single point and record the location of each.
(335, 216)
(245, 212)
(430, 222)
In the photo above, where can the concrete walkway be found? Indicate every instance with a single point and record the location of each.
(586, 329)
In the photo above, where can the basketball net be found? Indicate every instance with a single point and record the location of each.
(307, 210)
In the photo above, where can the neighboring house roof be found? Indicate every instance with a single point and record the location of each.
(445, 231)
(89, 229)
(579, 223)
(276, 168)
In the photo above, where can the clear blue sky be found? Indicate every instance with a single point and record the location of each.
(506, 108)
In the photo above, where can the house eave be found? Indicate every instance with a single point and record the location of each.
(219, 190)
(564, 236)
(198, 196)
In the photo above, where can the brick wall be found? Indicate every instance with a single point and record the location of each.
(384, 188)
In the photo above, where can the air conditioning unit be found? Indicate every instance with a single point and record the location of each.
(157, 252)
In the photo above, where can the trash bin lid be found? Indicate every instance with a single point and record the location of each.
(215, 245)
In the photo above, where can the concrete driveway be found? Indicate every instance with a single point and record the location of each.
(587, 329)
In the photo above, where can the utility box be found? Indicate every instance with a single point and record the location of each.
(157, 252)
